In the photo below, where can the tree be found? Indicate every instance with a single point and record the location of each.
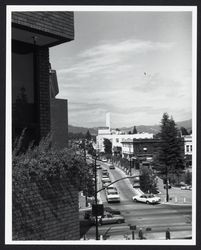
(108, 146)
(134, 130)
(88, 136)
(188, 177)
(170, 151)
(183, 131)
(129, 132)
(90, 149)
(148, 181)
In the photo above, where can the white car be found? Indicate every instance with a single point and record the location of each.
(147, 198)
(111, 187)
(112, 195)
(186, 187)
(105, 179)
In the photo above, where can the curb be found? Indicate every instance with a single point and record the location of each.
(178, 204)
(164, 203)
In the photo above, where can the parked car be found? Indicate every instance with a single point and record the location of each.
(111, 166)
(98, 166)
(104, 160)
(186, 187)
(105, 179)
(112, 195)
(169, 186)
(111, 187)
(108, 218)
(147, 198)
(105, 184)
(111, 210)
(105, 172)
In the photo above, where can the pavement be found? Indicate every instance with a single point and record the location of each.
(177, 196)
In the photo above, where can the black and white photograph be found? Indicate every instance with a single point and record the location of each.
(101, 125)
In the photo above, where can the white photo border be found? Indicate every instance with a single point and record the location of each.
(8, 134)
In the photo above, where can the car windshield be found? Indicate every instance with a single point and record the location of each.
(112, 192)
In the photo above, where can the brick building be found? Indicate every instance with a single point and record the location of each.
(36, 109)
(142, 151)
(33, 33)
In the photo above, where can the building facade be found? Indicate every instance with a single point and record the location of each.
(37, 112)
(116, 138)
(33, 33)
(188, 150)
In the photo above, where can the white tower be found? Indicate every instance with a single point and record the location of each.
(108, 120)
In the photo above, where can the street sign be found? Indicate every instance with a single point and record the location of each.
(97, 210)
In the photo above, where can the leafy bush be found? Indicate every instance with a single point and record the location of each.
(48, 174)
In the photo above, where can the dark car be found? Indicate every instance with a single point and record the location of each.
(111, 166)
(111, 210)
(108, 218)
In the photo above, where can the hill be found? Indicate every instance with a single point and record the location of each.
(141, 128)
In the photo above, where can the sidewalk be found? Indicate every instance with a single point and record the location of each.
(175, 235)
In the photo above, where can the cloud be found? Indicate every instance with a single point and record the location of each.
(131, 79)
(109, 55)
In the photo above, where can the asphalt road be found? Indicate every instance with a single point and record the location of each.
(158, 217)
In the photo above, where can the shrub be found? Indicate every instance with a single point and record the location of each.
(48, 174)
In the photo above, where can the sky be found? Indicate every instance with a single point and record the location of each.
(135, 65)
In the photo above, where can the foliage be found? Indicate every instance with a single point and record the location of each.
(45, 163)
(188, 178)
(88, 136)
(90, 149)
(108, 146)
(148, 181)
(183, 131)
(75, 136)
(134, 130)
(170, 153)
(169, 159)
(125, 163)
(43, 168)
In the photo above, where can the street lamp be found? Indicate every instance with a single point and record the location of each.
(96, 200)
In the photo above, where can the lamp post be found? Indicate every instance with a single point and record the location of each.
(96, 200)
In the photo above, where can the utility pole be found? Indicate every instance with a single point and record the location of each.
(167, 185)
(96, 200)
(85, 160)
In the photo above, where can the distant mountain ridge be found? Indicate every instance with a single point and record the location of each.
(187, 124)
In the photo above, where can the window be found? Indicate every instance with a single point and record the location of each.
(187, 148)
(191, 148)
(24, 93)
(117, 139)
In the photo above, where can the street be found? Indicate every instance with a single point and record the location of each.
(153, 219)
